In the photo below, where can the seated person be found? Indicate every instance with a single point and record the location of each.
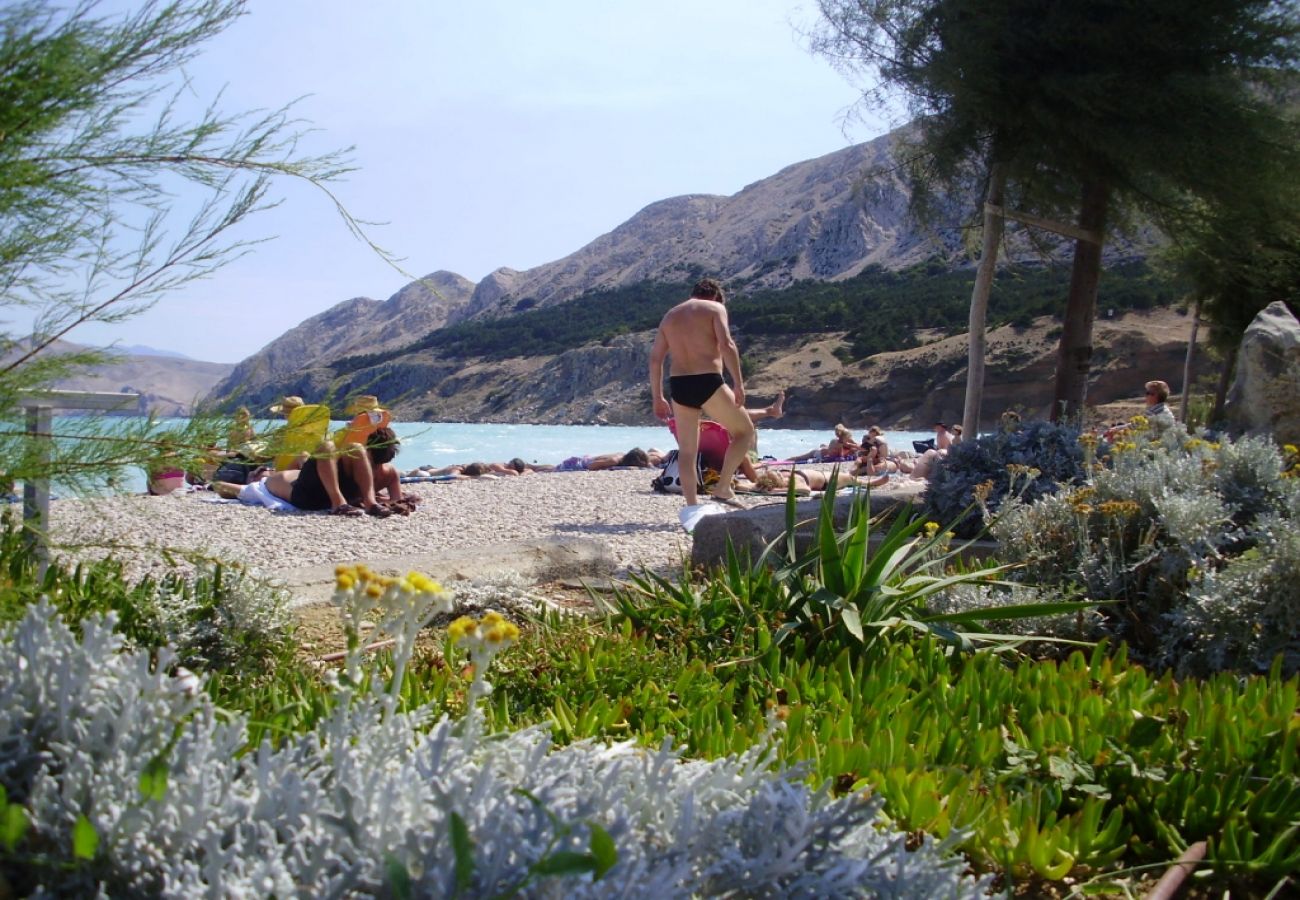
(875, 436)
(840, 447)
(872, 461)
(1160, 418)
(942, 437)
(166, 473)
(346, 481)
(777, 481)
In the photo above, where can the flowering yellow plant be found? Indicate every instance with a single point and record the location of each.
(482, 640)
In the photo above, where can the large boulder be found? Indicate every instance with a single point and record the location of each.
(1265, 395)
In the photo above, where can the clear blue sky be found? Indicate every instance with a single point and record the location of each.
(491, 134)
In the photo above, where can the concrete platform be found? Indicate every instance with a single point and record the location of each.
(750, 530)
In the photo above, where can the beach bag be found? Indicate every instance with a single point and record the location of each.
(669, 479)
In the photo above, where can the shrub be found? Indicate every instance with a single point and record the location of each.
(220, 618)
(127, 782)
(1193, 539)
(1038, 456)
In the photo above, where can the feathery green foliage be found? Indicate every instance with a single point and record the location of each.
(111, 196)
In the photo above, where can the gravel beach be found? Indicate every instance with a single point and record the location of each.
(615, 507)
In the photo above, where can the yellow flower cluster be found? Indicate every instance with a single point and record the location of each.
(1119, 509)
(1139, 422)
(1088, 440)
(483, 640)
(1290, 461)
(495, 630)
(346, 578)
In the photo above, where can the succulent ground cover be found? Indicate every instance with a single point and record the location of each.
(854, 697)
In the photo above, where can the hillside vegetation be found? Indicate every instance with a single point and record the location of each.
(879, 309)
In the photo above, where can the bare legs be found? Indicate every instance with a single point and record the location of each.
(722, 408)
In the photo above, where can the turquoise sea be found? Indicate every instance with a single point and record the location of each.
(444, 443)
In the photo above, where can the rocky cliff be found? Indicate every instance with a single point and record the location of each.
(359, 325)
(909, 389)
(826, 219)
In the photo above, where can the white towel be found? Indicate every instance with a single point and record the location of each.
(256, 494)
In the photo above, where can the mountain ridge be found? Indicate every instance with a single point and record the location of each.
(826, 220)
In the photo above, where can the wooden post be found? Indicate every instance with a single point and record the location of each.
(40, 408)
(36, 491)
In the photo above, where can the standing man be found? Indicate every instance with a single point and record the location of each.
(697, 336)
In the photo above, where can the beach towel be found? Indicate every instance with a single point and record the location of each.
(691, 516)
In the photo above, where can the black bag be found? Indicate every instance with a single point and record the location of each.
(922, 446)
(669, 479)
(235, 470)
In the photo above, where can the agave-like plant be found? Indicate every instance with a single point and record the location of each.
(848, 583)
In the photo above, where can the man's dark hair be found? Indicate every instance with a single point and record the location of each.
(518, 465)
(383, 445)
(635, 457)
(708, 289)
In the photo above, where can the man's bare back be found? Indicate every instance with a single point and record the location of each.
(690, 329)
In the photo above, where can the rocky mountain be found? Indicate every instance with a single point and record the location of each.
(908, 389)
(359, 325)
(826, 219)
(168, 385)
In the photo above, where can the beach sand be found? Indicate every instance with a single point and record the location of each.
(616, 508)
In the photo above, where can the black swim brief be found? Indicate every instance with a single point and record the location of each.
(309, 493)
(694, 390)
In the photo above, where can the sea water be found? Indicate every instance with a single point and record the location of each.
(444, 443)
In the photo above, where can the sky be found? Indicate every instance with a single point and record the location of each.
(491, 134)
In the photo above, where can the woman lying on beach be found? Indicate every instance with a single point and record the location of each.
(635, 458)
(777, 481)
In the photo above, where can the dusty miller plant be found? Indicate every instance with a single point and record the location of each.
(122, 780)
(1190, 540)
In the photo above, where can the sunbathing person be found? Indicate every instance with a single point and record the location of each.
(920, 467)
(841, 447)
(777, 481)
(347, 481)
(636, 458)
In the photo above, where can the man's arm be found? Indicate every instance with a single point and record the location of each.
(658, 352)
(730, 354)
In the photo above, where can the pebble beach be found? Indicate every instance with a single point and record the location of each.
(616, 508)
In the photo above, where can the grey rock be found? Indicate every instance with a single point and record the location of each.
(1265, 394)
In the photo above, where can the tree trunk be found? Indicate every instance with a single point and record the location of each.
(979, 302)
(1188, 360)
(1225, 380)
(1075, 355)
